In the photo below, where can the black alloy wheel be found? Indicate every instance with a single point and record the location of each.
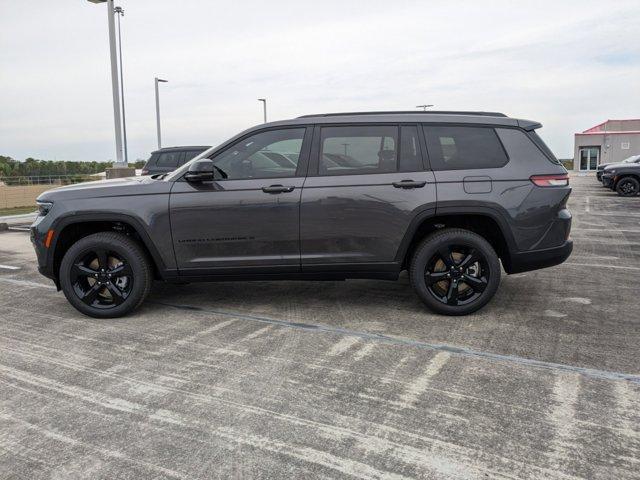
(628, 187)
(101, 278)
(457, 274)
(455, 271)
(106, 274)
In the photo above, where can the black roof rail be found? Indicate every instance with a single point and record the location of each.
(406, 112)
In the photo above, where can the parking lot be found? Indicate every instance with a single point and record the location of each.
(333, 379)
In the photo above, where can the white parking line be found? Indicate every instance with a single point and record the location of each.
(603, 229)
(599, 265)
(9, 267)
(26, 283)
(586, 208)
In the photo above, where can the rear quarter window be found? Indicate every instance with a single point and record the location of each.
(522, 147)
(464, 148)
(153, 159)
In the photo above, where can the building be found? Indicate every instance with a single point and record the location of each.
(611, 141)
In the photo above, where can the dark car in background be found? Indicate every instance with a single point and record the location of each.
(168, 159)
(602, 166)
(624, 178)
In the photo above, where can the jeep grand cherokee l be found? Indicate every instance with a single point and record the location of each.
(448, 196)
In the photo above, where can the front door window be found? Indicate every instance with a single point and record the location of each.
(589, 158)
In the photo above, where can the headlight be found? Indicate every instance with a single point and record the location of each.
(44, 207)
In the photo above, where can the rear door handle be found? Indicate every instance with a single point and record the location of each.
(409, 184)
(277, 189)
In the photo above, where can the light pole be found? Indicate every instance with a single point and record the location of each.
(424, 107)
(120, 13)
(114, 77)
(264, 108)
(156, 81)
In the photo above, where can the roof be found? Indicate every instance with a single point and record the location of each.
(185, 147)
(609, 127)
(484, 118)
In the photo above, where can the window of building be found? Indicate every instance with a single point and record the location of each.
(357, 150)
(461, 148)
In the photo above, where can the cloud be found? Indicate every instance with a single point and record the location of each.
(569, 65)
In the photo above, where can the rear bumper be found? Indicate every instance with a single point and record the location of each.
(536, 259)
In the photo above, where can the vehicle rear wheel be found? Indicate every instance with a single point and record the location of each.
(455, 271)
(628, 187)
(105, 275)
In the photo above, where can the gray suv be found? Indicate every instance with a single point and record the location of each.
(448, 196)
(167, 159)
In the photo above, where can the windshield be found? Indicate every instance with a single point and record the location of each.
(634, 159)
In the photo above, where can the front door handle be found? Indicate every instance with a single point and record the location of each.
(277, 189)
(409, 184)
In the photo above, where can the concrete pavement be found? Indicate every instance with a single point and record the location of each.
(348, 379)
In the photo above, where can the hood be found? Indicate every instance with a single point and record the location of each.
(621, 166)
(107, 188)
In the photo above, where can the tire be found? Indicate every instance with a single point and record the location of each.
(628, 187)
(473, 270)
(106, 275)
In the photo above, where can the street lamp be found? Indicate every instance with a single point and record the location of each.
(424, 107)
(156, 81)
(120, 13)
(114, 77)
(264, 107)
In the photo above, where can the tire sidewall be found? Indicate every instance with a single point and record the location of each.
(458, 237)
(122, 247)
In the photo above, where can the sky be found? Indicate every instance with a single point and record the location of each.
(567, 64)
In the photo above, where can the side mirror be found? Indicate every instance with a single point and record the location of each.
(200, 171)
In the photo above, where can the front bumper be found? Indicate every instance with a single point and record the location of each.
(607, 180)
(536, 259)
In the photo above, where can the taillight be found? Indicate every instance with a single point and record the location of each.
(550, 180)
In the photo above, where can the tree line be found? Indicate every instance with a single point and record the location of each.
(34, 167)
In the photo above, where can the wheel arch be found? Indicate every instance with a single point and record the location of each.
(484, 222)
(74, 227)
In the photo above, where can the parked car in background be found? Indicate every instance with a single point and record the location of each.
(601, 167)
(321, 197)
(624, 178)
(168, 159)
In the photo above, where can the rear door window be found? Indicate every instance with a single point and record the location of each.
(358, 150)
(464, 148)
(189, 154)
(169, 159)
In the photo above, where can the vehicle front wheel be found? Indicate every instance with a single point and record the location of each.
(628, 187)
(455, 271)
(106, 275)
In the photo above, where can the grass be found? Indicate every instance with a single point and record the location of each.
(17, 210)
